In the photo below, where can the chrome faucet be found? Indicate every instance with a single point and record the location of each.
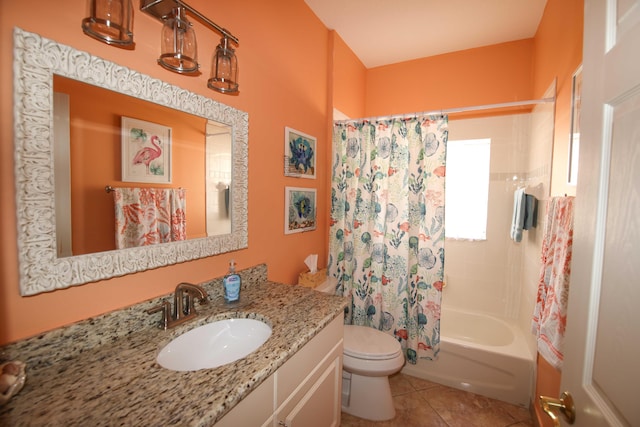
(184, 308)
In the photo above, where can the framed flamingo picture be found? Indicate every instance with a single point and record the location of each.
(146, 152)
(299, 210)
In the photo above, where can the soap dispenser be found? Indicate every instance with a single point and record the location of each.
(231, 283)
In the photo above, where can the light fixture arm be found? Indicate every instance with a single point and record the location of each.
(209, 22)
(161, 9)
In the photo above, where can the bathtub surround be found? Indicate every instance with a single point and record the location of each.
(386, 234)
(485, 276)
(538, 167)
(497, 278)
(102, 371)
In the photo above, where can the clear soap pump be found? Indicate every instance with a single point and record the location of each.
(231, 283)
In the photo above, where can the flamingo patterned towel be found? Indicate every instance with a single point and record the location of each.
(146, 216)
(550, 314)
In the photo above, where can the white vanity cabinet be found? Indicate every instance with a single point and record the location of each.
(305, 391)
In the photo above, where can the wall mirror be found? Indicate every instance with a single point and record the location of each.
(40, 184)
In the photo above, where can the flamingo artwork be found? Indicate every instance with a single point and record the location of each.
(146, 155)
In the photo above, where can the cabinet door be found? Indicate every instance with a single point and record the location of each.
(310, 360)
(254, 410)
(320, 406)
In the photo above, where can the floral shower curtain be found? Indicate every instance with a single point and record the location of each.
(386, 244)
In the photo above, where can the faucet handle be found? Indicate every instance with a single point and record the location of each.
(200, 295)
(204, 299)
(165, 308)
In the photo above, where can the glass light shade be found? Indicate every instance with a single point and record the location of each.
(110, 22)
(224, 69)
(179, 50)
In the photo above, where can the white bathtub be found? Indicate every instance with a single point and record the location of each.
(481, 354)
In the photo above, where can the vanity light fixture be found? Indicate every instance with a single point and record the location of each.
(179, 50)
(224, 68)
(110, 22)
(226, 79)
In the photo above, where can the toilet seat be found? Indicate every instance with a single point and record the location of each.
(362, 342)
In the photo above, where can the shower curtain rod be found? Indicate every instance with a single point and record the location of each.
(460, 109)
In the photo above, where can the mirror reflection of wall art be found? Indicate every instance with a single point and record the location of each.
(299, 210)
(146, 152)
(299, 154)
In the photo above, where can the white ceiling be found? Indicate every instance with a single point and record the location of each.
(382, 32)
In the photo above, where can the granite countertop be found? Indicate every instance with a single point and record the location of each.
(103, 372)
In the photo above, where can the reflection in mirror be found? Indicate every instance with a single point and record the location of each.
(62, 199)
(87, 126)
(218, 178)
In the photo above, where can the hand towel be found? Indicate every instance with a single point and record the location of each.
(550, 313)
(530, 212)
(517, 222)
(146, 216)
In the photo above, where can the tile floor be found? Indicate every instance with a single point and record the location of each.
(421, 403)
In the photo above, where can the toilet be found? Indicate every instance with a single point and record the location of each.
(369, 357)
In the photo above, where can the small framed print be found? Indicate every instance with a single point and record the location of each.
(299, 154)
(299, 210)
(146, 151)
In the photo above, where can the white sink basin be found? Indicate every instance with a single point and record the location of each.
(214, 344)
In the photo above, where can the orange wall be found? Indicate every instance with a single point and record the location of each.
(96, 160)
(547, 384)
(492, 74)
(558, 54)
(487, 75)
(349, 79)
(282, 55)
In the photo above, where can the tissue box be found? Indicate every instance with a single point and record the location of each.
(311, 280)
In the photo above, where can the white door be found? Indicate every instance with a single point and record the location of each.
(602, 348)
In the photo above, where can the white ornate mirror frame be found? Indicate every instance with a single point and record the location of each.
(36, 59)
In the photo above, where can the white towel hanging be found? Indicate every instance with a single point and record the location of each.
(517, 223)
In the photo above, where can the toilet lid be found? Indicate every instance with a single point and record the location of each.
(363, 342)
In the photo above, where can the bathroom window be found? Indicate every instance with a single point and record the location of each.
(467, 189)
